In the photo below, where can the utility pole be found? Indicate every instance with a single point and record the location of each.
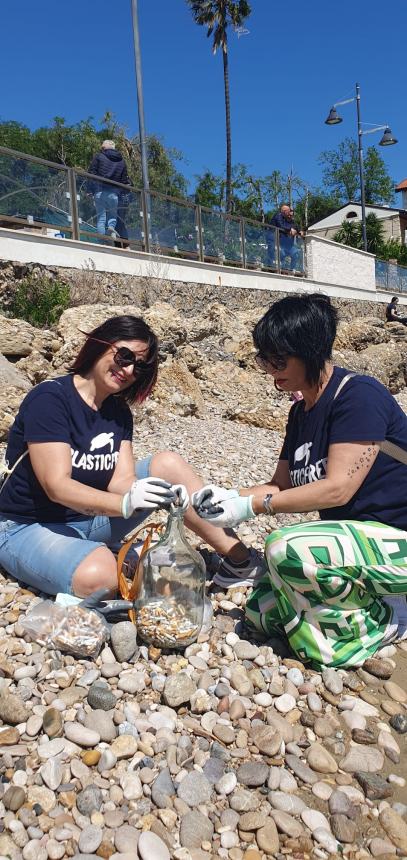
(361, 168)
(140, 100)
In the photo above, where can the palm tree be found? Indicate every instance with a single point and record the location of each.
(216, 15)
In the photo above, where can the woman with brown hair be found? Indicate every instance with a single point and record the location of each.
(73, 489)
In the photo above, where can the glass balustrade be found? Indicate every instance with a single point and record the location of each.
(260, 246)
(221, 237)
(34, 194)
(391, 276)
(63, 202)
(173, 226)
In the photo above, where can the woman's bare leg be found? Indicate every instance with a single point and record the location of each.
(173, 468)
(97, 570)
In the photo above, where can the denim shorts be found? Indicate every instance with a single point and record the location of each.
(45, 556)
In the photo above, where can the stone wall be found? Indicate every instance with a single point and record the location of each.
(91, 287)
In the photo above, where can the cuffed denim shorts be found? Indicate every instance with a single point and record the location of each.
(45, 556)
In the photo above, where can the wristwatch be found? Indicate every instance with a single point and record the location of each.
(268, 504)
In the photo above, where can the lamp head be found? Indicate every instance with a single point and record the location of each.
(333, 118)
(387, 139)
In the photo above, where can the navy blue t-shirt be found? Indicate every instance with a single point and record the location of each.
(54, 411)
(363, 411)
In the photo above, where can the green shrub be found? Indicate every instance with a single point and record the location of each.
(39, 300)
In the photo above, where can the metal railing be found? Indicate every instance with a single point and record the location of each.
(36, 194)
(391, 276)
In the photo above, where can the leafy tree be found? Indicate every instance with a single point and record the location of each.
(216, 16)
(392, 249)
(209, 190)
(250, 193)
(75, 145)
(15, 135)
(341, 173)
(379, 186)
(314, 205)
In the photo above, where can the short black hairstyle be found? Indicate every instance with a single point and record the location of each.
(394, 299)
(302, 325)
(124, 327)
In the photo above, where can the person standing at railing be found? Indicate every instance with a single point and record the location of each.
(288, 231)
(392, 314)
(108, 164)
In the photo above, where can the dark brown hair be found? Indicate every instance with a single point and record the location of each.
(124, 327)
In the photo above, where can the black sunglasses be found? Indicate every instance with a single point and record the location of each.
(277, 362)
(122, 355)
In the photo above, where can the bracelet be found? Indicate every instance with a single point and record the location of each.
(124, 506)
(268, 504)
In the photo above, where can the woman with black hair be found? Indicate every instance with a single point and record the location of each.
(344, 455)
(70, 493)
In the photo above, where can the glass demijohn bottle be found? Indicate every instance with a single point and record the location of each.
(169, 609)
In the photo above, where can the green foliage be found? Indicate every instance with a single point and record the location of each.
(350, 233)
(374, 233)
(392, 249)
(340, 173)
(216, 15)
(39, 300)
(379, 186)
(252, 196)
(209, 190)
(75, 146)
(313, 206)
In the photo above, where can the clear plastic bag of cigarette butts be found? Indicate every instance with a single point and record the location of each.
(170, 606)
(75, 629)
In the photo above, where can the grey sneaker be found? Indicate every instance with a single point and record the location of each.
(232, 575)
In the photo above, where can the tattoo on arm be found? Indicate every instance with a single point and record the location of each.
(365, 461)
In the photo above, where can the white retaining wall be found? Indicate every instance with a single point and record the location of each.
(338, 264)
(333, 269)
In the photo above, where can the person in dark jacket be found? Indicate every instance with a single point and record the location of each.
(288, 231)
(108, 164)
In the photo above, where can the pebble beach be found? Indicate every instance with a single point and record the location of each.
(231, 748)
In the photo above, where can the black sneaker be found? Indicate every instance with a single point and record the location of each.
(232, 575)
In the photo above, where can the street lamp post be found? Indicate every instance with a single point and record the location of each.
(386, 140)
(140, 100)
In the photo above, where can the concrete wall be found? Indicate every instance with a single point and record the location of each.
(338, 264)
(339, 271)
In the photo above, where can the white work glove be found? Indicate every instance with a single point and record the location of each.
(181, 497)
(147, 494)
(222, 508)
(211, 495)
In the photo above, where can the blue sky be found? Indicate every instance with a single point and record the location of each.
(76, 60)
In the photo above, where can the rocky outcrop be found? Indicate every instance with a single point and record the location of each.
(206, 358)
(358, 334)
(14, 384)
(385, 361)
